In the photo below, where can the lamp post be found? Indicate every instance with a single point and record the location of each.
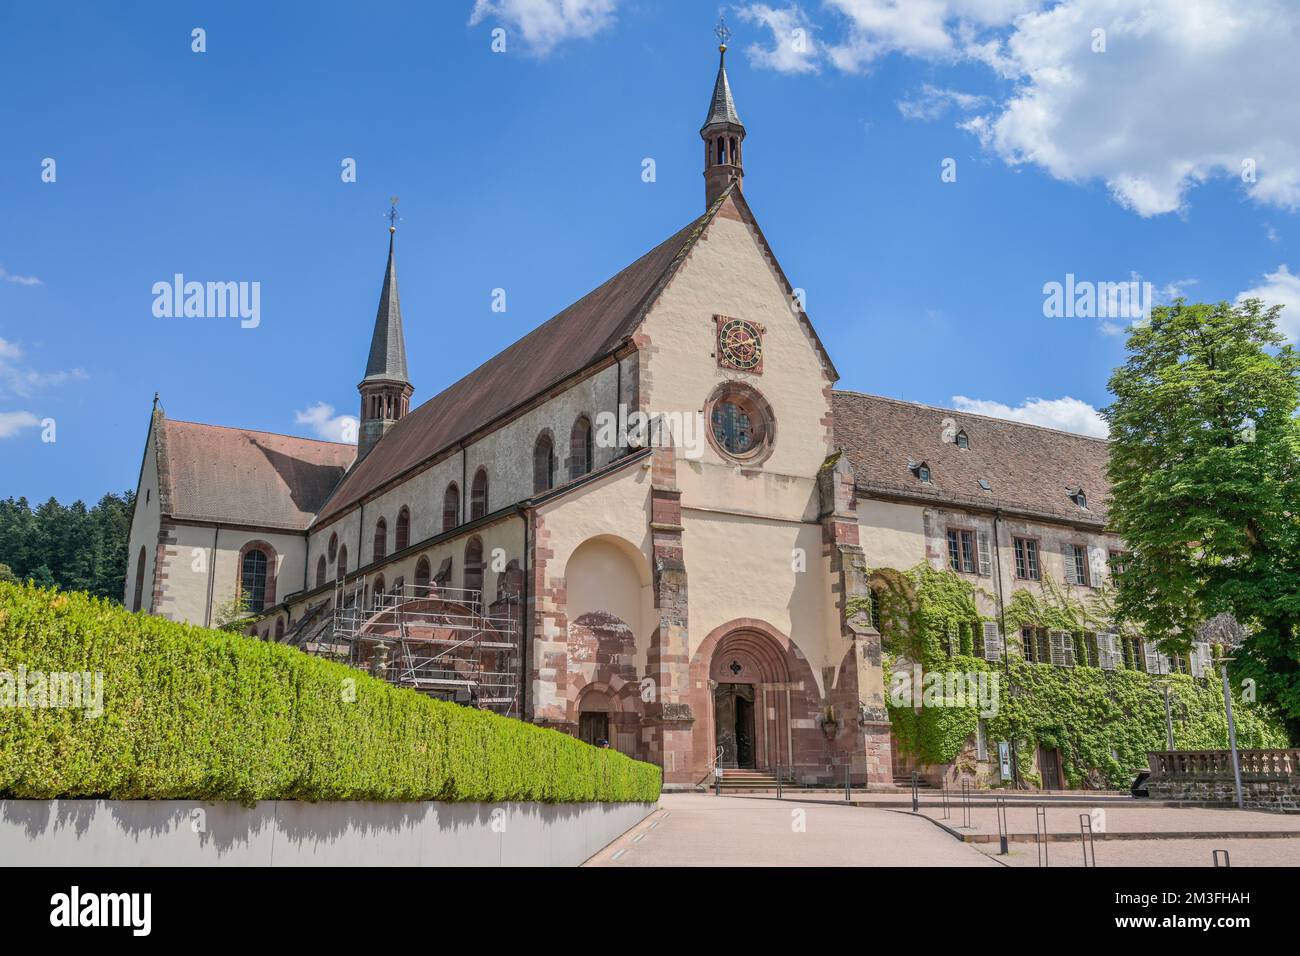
(1169, 717)
(1232, 729)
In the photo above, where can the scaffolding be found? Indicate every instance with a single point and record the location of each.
(437, 640)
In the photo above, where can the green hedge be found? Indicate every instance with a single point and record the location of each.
(190, 713)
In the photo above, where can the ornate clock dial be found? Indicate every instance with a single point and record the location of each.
(740, 345)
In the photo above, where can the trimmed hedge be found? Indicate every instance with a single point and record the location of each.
(190, 713)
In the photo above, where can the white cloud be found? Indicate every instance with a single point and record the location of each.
(793, 49)
(1186, 91)
(931, 102)
(18, 280)
(327, 425)
(935, 29)
(544, 24)
(1067, 414)
(1280, 288)
(13, 422)
(22, 380)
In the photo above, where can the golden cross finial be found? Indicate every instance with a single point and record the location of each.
(392, 214)
(722, 33)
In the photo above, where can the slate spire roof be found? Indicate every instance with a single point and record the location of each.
(722, 108)
(387, 360)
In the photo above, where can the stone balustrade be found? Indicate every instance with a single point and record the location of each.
(1270, 779)
(1217, 764)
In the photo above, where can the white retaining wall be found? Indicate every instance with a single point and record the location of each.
(292, 833)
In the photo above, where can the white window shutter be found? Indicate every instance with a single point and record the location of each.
(1071, 572)
(992, 641)
(1152, 655)
(1108, 652)
(1200, 658)
(1061, 648)
(986, 561)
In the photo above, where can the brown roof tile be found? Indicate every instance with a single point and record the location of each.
(590, 329)
(238, 476)
(1028, 468)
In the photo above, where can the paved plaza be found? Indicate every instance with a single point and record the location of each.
(692, 829)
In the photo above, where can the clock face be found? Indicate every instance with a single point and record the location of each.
(740, 345)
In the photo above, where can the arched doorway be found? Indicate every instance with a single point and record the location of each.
(749, 678)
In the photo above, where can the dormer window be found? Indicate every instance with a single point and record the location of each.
(921, 470)
(1079, 498)
(962, 440)
(984, 484)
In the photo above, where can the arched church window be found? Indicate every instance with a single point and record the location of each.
(451, 507)
(320, 570)
(341, 570)
(402, 535)
(138, 599)
(580, 449)
(422, 575)
(381, 539)
(334, 546)
(379, 592)
(478, 497)
(474, 564)
(252, 581)
(543, 464)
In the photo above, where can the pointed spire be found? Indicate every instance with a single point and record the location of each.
(723, 132)
(722, 108)
(388, 346)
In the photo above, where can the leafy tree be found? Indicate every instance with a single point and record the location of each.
(68, 546)
(1205, 473)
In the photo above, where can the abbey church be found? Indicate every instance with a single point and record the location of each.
(694, 603)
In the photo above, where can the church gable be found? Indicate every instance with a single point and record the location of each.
(729, 326)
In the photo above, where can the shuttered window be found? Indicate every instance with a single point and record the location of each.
(992, 641)
(1109, 653)
(986, 559)
(1061, 648)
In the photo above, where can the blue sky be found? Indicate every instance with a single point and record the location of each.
(522, 170)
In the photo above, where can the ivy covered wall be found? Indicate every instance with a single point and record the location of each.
(1102, 721)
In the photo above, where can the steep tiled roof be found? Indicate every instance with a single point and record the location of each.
(238, 476)
(1028, 468)
(590, 329)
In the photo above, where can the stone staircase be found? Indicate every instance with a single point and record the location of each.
(904, 782)
(750, 781)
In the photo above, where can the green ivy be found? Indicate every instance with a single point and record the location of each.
(1104, 722)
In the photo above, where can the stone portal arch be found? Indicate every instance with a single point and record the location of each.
(752, 681)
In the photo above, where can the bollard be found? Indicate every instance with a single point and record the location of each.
(916, 799)
(1215, 857)
(1085, 837)
(965, 805)
(778, 781)
(1000, 808)
(947, 811)
(848, 788)
(1040, 834)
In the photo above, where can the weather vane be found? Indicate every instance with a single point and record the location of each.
(392, 214)
(722, 33)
